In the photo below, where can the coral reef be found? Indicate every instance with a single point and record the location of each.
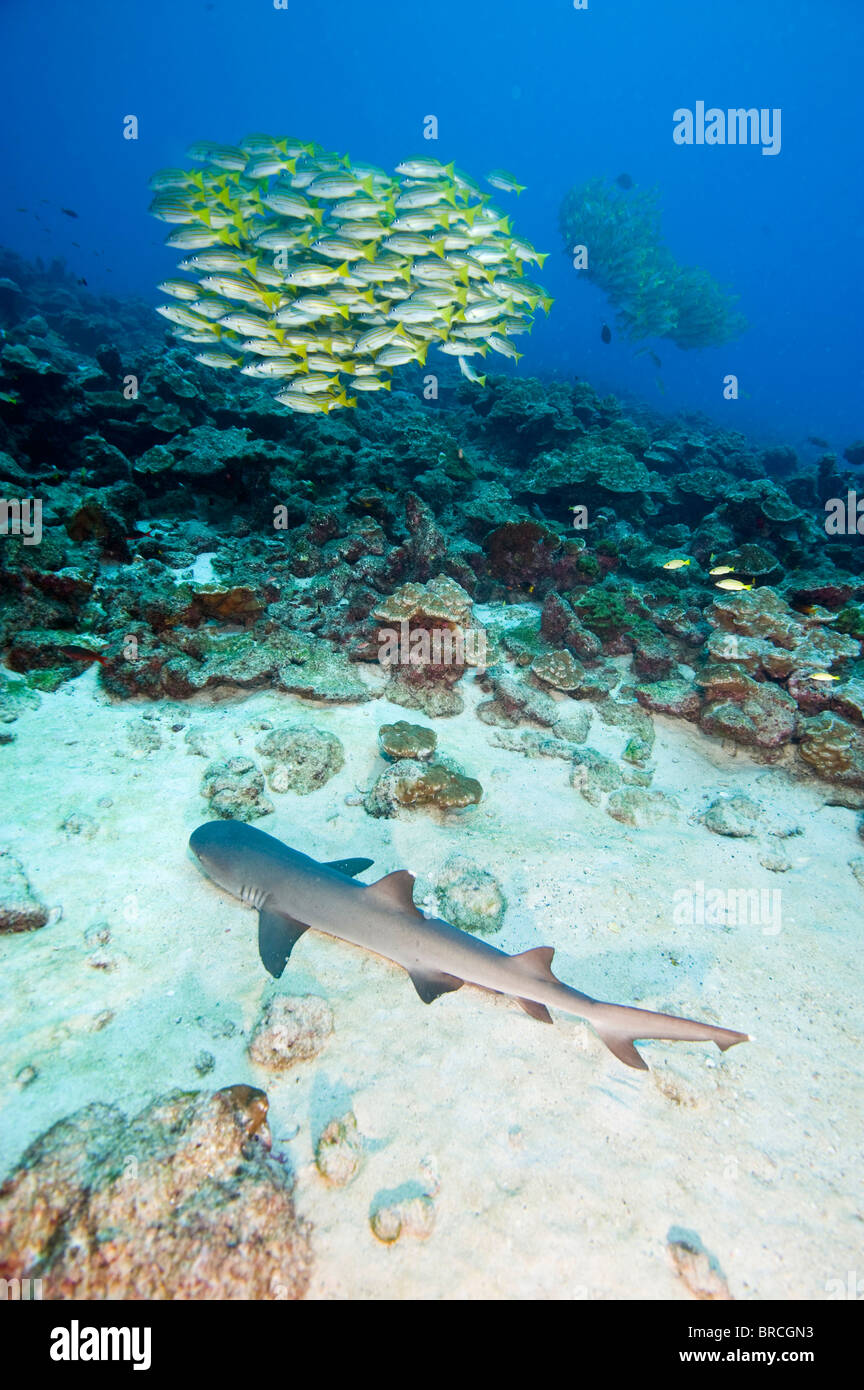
(196, 541)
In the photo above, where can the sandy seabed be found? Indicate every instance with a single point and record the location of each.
(555, 1170)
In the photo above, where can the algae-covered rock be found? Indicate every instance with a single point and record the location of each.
(410, 784)
(20, 908)
(516, 702)
(653, 658)
(675, 696)
(414, 1216)
(298, 758)
(593, 774)
(426, 639)
(324, 674)
(470, 897)
(235, 790)
(738, 816)
(339, 1151)
(184, 1201)
(404, 740)
(640, 807)
(16, 696)
(292, 1029)
(833, 748)
(560, 670)
(758, 714)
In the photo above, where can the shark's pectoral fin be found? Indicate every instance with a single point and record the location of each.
(430, 983)
(277, 936)
(349, 867)
(397, 890)
(538, 1011)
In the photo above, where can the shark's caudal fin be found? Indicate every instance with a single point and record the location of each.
(619, 1027)
(617, 1024)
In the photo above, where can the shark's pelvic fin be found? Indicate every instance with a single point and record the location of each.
(350, 867)
(397, 889)
(538, 1011)
(277, 936)
(429, 984)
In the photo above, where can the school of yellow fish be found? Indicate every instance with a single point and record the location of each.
(325, 275)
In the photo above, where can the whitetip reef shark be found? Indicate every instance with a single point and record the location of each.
(293, 893)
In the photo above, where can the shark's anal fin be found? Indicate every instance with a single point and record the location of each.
(430, 983)
(538, 1011)
(349, 867)
(277, 936)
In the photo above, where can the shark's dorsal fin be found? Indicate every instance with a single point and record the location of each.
(397, 889)
(539, 958)
(349, 867)
(277, 935)
(430, 983)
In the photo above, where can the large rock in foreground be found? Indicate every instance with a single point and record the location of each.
(184, 1202)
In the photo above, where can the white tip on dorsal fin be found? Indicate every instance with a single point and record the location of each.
(397, 889)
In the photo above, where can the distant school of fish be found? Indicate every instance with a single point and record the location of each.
(326, 275)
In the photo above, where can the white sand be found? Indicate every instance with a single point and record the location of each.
(557, 1172)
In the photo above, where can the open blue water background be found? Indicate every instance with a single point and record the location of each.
(554, 94)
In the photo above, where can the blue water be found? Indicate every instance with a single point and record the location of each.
(554, 94)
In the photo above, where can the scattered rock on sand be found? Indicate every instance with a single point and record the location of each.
(20, 908)
(235, 790)
(339, 1151)
(696, 1268)
(641, 808)
(299, 758)
(470, 897)
(410, 783)
(404, 740)
(293, 1028)
(413, 1217)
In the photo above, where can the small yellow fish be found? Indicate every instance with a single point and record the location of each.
(723, 569)
(675, 564)
(733, 585)
(823, 676)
